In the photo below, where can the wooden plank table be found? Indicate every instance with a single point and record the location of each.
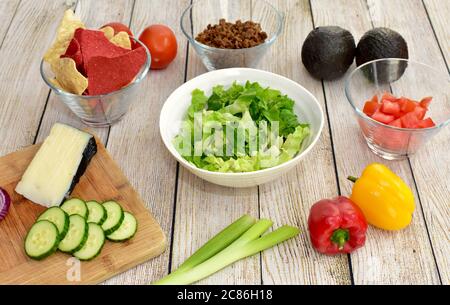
(191, 210)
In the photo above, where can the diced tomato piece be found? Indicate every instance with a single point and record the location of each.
(420, 112)
(402, 101)
(382, 117)
(388, 97)
(399, 114)
(374, 98)
(426, 123)
(396, 123)
(425, 102)
(410, 120)
(409, 106)
(370, 107)
(389, 107)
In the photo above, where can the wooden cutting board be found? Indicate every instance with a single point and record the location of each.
(102, 181)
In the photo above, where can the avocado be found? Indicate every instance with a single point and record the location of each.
(381, 43)
(328, 52)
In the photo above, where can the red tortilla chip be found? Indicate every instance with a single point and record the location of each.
(135, 45)
(94, 43)
(73, 51)
(108, 74)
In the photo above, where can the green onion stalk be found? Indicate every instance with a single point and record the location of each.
(239, 240)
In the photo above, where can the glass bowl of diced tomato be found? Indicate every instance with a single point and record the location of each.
(399, 104)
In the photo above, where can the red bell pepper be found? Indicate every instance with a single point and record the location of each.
(337, 226)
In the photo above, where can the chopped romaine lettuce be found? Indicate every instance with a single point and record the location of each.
(240, 129)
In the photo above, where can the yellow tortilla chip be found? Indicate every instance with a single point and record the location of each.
(109, 32)
(55, 83)
(122, 39)
(64, 35)
(68, 77)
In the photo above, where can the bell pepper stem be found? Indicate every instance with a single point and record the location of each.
(340, 237)
(352, 179)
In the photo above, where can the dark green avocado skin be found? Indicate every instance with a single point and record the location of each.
(328, 52)
(380, 43)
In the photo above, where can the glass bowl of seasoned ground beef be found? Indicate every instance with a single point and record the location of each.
(231, 33)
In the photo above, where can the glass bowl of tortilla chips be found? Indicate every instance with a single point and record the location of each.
(100, 110)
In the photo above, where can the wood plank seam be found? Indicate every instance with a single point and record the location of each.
(197, 199)
(325, 15)
(47, 99)
(415, 186)
(448, 69)
(409, 160)
(172, 232)
(177, 176)
(436, 36)
(425, 222)
(129, 25)
(10, 22)
(336, 172)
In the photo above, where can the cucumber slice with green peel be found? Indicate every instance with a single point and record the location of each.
(76, 236)
(42, 240)
(93, 245)
(59, 218)
(126, 230)
(75, 206)
(97, 213)
(114, 217)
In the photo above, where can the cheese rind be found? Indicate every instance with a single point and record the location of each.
(57, 166)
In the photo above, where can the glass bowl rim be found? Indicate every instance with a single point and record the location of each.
(280, 19)
(366, 117)
(141, 75)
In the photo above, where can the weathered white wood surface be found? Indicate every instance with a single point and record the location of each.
(191, 210)
(136, 142)
(440, 21)
(8, 9)
(431, 166)
(435, 195)
(388, 257)
(22, 90)
(289, 199)
(210, 207)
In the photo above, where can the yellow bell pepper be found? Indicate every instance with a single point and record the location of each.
(385, 199)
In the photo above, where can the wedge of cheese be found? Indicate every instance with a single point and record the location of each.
(57, 166)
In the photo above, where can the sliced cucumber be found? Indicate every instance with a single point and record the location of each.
(114, 217)
(59, 218)
(93, 245)
(76, 206)
(76, 236)
(126, 230)
(42, 240)
(97, 213)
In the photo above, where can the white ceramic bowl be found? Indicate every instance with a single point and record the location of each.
(174, 110)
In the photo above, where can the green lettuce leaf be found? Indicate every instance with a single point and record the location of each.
(269, 132)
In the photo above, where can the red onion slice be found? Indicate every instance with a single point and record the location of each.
(5, 202)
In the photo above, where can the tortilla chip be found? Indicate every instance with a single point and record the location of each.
(64, 35)
(68, 77)
(55, 83)
(74, 51)
(109, 32)
(108, 74)
(122, 39)
(94, 43)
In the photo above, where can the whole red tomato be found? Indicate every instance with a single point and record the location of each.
(162, 44)
(118, 27)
